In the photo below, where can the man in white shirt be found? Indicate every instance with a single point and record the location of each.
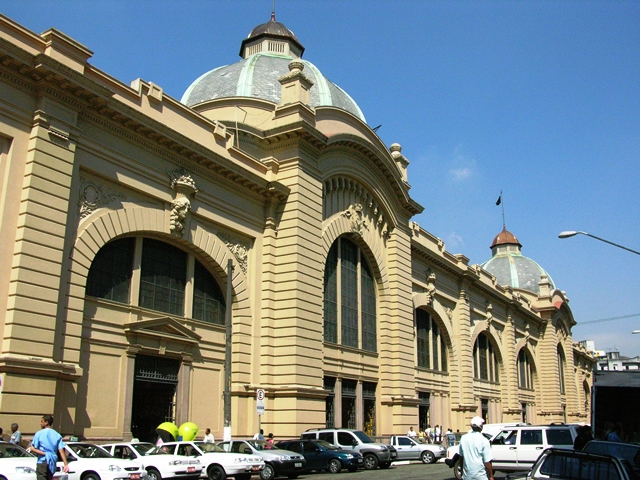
(475, 451)
(411, 433)
(259, 435)
(208, 436)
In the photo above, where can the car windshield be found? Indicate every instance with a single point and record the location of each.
(326, 445)
(209, 447)
(87, 450)
(148, 449)
(363, 437)
(623, 451)
(8, 450)
(262, 445)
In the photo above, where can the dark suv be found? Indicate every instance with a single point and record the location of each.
(321, 455)
(374, 454)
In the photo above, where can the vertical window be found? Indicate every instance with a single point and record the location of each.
(163, 277)
(349, 403)
(330, 384)
(331, 296)
(561, 366)
(349, 291)
(485, 361)
(431, 347)
(424, 418)
(208, 301)
(110, 272)
(525, 370)
(349, 298)
(369, 407)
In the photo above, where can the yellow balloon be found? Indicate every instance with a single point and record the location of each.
(188, 431)
(167, 429)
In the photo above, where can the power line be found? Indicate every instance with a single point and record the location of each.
(607, 319)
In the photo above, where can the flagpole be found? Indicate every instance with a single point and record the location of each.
(504, 224)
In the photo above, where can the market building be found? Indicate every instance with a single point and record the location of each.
(121, 209)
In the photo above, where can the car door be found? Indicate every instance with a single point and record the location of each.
(504, 449)
(406, 448)
(530, 447)
(313, 455)
(346, 440)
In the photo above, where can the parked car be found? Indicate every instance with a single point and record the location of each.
(409, 449)
(321, 455)
(158, 463)
(277, 461)
(518, 448)
(91, 462)
(18, 464)
(374, 454)
(563, 464)
(629, 452)
(217, 464)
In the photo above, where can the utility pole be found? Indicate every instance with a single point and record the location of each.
(227, 354)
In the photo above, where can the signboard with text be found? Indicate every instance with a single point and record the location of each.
(260, 401)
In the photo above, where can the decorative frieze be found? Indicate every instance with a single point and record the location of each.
(93, 195)
(239, 250)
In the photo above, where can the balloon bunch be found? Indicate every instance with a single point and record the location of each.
(169, 432)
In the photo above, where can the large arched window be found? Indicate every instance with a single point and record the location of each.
(485, 360)
(561, 366)
(167, 275)
(431, 347)
(349, 297)
(525, 370)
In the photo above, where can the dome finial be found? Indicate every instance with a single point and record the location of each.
(273, 10)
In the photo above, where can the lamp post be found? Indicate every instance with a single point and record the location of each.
(572, 233)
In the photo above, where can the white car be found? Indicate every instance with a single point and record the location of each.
(158, 463)
(217, 463)
(18, 464)
(91, 462)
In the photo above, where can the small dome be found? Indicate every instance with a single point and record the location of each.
(272, 29)
(505, 237)
(513, 269)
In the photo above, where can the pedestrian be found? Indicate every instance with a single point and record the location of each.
(269, 445)
(46, 445)
(421, 435)
(475, 451)
(584, 437)
(438, 434)
(16, 436)
(451, 438)
(208, 436)
(411, 433)
(259, 435)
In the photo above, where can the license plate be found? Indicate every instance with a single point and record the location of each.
(298, 465)
(359, 460)
(191, 469)
(134, 476)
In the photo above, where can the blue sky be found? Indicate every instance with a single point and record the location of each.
(539, 99)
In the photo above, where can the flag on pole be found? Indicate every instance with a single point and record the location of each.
(499, 201)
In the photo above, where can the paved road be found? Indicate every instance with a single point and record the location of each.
(412, 471)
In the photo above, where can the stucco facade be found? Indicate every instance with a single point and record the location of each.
(303, 200)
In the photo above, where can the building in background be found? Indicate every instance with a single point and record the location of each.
(121, 208)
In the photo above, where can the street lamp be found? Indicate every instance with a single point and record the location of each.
(572, 233)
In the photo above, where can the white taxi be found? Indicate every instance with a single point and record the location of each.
(18, 464)
(158, 463)
(91, 462)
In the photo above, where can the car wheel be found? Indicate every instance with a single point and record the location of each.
(427, 457)
(216, 472)
(334, 466)
(154, 474)
(268, 472)
(457, 469)
(91, 476)
(370, 461)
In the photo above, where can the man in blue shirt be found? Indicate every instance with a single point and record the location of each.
(475, 451)
(16, 436)
(46, 444)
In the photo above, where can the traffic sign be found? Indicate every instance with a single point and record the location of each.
(260, 401)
